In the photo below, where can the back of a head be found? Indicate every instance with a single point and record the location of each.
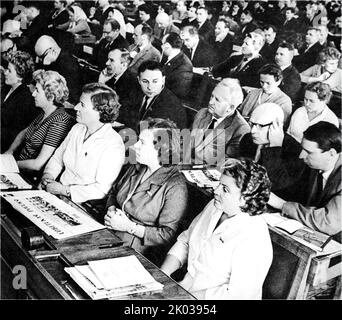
(43, 43)
(269, 112)
(325, 134)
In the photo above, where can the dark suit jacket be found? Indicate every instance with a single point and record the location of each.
(17, 112)
(291, 83)
(204, 55)
(178, 75)
(248, 75)
(323, 213)
(100, 54)
(207, 32)
(67, 66)
(212, 148)
(166, 106)
(292, 25)
(223, 49)
(307, 59)
(126, 87)
(283, 165)
(268, 51)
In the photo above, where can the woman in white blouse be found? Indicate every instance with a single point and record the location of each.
(315, 109)
(227, 247)
(91, 156)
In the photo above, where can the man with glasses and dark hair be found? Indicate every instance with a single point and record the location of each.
(268, 145)
(321, 210)
(52, 57)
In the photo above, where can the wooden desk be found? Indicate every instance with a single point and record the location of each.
(46, 278)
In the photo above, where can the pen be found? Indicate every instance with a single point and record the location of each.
(110, 245)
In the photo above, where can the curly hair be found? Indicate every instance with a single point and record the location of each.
(322, 90)
(54, 85)
(23, 64)
(105, 100)
(253, 181)
(166, 139)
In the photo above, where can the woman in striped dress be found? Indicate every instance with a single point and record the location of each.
(34, 145)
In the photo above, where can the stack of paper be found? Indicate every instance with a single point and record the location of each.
(10, 178)
(203, 178)
(110, 278)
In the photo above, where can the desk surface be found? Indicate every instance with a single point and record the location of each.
(46, 278)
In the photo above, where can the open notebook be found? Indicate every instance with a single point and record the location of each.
(10, 178)
(110, 278)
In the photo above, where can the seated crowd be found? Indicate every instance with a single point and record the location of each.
(108, 100)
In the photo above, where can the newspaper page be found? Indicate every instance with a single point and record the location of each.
(52, 215)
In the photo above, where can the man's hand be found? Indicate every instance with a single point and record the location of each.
(56, 188)
(276, 134)
(117, 220)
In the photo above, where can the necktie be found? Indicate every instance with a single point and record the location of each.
(319, 186)
(144, 105)
(212, 123)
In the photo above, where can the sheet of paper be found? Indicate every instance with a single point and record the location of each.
(8, 164)
(120, 272)
(13, 181)
(203, 178)
(51, 214)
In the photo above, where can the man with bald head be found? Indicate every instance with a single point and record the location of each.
(277, 151)
(52, 57)
(164, 26)
(218, 129)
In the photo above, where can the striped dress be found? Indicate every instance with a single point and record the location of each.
(51, 132)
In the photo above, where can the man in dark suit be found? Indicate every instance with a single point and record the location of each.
(52, 57)
(198, 51)
(247, 25)
(155, 100)
(117, 76)
(270, 147)
(177, 67)
(321, 209)
(111, 39)
(308, 55)
(271, 43)
(205, 27)
(145, 14)
(223, 43)
(244, 66)
(291, 83)
(218, 129)
(291, 22)
(100, 16)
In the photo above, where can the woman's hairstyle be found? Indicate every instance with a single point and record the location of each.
(166, 139)
(105, 100)
(253, 181)
(23, 64)
(322, 90)
(273, 70)
(329, 53)
(54, 85)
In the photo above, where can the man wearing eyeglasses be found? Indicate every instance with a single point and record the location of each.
(277, 151)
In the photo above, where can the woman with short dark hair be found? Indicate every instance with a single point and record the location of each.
(227, 247)
(146, 206)
(17, 107)
(91, 156)
(314, 110)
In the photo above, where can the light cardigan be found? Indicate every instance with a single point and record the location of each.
(230, 262)
(300, 121)
(90, 167)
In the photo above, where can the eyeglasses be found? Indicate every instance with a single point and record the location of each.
(258, 125)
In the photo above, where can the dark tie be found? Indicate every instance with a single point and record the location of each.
(212, 123)
(319, 186)
(143, 107)
(191, 53)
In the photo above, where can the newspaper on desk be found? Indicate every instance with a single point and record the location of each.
(110, 278)
(52, 215)
(10, 178)
(203, 178)
(320, 242)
